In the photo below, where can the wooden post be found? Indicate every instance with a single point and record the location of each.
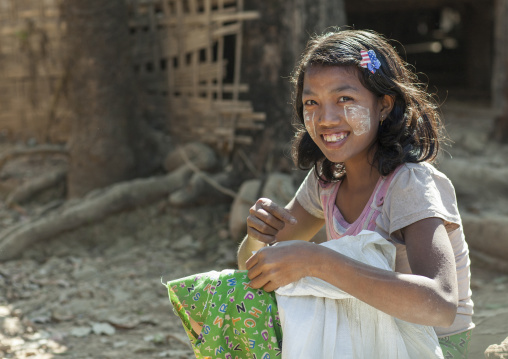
(499, 72)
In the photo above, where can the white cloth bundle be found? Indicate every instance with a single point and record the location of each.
(321, 321)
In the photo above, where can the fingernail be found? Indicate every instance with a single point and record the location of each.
(293, 220)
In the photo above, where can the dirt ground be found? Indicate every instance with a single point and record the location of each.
(96, 292)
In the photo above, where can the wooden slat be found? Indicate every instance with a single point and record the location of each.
(194, 39)
(243, 140)
(257, 116)
(214, 88)
(238, 55)
(233, 104)
(228, 15)
(208, 53)
(225, 30)
(220, 50)
(143, 3)
(184, 76)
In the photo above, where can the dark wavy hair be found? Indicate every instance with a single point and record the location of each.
(412, 132)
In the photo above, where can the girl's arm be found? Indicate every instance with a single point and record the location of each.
(428, 296)
(268, 223)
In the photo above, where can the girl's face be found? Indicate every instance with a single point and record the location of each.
(340, 114)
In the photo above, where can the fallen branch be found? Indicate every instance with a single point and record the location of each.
(94, 208)
(39, 150)
(35, 186)
(248, 163)
(200, 154)
(206, 178)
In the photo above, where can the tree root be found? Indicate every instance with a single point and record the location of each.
(39, 150)
(33, 187)
(95, 207)
(101, 203)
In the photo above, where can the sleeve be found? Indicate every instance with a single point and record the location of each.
(308, 195)
(417, 192)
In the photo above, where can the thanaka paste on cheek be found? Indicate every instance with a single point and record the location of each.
(358, 118)
(310, 125)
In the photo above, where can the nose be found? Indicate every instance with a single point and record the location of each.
(331, 114)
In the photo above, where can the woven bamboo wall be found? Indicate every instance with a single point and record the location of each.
(189, 51)
(187, 57)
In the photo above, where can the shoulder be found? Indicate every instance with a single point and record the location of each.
(421, 167)
(308, 194)
(419, 176)
(418, 191)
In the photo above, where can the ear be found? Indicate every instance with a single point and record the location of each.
(385, 105)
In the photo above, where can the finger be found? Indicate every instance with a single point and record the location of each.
(262, 226)
(255, 234)
(266, 217)
(258, 282)
(251, 262)
(270, 287)
(279, 212)
(255, 271)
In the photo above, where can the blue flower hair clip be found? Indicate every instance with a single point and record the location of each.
(369, 60)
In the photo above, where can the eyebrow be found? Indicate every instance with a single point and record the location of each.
(335, 90)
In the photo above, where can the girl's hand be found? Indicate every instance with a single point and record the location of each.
(266, 219)
(284, 263)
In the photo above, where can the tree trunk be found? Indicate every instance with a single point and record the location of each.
(500, 130)
(500, 72)
(106, 139)
(500, 57)
(272, 46)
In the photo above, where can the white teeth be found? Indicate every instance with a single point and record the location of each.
(334, 137)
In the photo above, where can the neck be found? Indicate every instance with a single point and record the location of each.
(360, 176)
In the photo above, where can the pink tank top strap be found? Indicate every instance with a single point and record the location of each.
(328, 193)
(367, 219)
(381, 192)
(379, 200)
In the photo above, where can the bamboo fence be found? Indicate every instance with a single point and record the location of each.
(187, 55)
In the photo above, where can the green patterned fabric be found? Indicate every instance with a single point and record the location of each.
(238, 322)
(456, 346)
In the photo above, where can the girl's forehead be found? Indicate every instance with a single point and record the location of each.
(325, 75)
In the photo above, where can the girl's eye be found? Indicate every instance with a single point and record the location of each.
(309, 103)
(345, 99)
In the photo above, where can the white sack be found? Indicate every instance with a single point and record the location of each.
(323, 322)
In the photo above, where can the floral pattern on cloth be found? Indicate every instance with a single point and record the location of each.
(238, 321)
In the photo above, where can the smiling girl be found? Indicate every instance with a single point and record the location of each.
(367, 132)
